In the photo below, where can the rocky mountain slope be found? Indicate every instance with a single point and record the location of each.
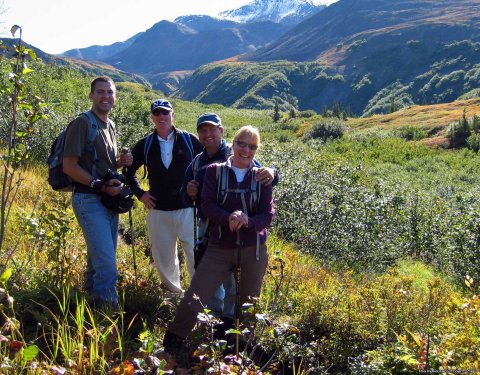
(291, 11)
(191, 41)
(363, 54)
(98, 52)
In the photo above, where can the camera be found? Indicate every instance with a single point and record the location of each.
(114, 175)
(123, 201)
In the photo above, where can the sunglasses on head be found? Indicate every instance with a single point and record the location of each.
(242, 144)
(159, 112)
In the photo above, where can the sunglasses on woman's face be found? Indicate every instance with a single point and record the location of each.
(242, 144)
(159, 112)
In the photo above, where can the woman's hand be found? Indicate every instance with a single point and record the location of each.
(236, 220)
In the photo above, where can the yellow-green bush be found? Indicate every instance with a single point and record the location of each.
(374, 321)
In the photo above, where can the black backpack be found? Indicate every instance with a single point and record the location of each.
(58, 180)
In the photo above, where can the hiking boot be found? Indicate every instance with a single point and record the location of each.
(172, 343)
(171, 294)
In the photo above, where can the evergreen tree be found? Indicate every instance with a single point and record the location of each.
(393, 105)
(293, 113)
(476, 124)
(459, 132)
(326, 112)
(276, 112)
(337, 110)
(349, 112)
(464, 126)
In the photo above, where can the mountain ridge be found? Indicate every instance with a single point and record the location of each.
(287, 11)
(362, 54)
(191, 41)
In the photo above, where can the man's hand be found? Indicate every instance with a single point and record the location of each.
(236, 220)
(148, 200)
(126, 159)
(113, 187)
(265, 175)
(192, 189)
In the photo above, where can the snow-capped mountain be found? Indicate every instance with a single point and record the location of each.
(195, 40)
(285, 11)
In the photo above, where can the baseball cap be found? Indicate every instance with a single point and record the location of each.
(161, 103)
(209, 118)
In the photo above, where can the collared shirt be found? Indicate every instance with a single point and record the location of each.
(166, 148)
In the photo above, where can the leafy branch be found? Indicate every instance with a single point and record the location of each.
(19, 113)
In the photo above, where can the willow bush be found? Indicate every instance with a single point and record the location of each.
(348, 218)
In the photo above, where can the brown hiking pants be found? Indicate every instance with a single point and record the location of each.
(217, 264)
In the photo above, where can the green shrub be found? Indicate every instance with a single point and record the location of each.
(411, 133)
(473, 142)
(458, 132)
(308, 113)
(350, 218)
(326, 129)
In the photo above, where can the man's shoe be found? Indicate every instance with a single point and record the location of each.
(170, 294)
(172, 343)
(220, 329)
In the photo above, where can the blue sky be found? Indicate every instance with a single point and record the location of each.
(55, 26)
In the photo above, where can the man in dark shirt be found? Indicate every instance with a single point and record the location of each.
(166, 154)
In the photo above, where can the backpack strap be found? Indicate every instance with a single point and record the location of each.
(222, 186)
(90, 144)
(146, 149)
(188, 142)
(195, 164)
(254, 190)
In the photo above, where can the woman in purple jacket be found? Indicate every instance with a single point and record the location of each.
(237, 234)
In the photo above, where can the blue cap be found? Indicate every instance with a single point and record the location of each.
(209, 118)
(161, 103)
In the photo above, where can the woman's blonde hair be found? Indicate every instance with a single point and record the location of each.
(247, 130)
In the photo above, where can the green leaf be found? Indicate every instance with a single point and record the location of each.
(32, 54)
(25, 105)
(233, 332)
(30, 352)
(21, 147)
(6, 275)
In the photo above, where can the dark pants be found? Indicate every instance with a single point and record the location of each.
(217, 264)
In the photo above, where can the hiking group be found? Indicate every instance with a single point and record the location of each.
(212, 197)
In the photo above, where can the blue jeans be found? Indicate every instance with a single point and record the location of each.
(222, 303)
(100, 229)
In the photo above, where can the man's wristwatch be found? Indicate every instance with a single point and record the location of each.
(96, 184)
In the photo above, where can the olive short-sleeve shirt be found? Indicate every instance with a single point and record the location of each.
(105, 144)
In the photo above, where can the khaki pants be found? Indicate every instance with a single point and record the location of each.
(217, 264)
(164, 227)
